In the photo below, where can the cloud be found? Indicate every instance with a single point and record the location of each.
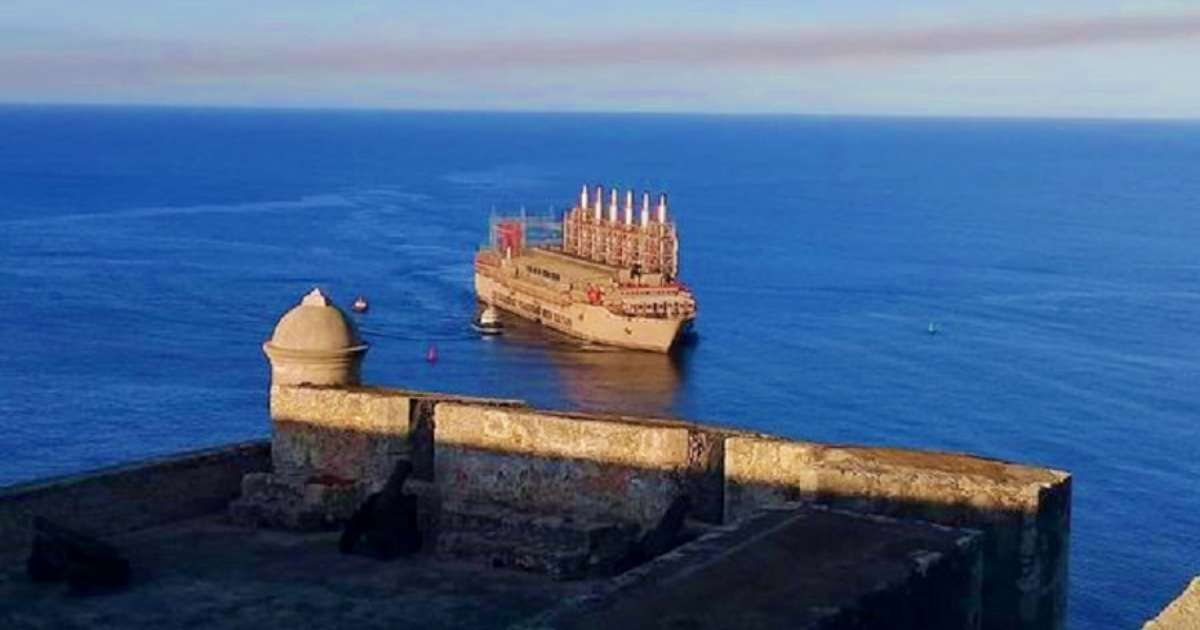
(159, 62)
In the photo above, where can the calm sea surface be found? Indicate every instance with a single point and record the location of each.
(146, 253)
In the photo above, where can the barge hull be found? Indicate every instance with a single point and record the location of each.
(593, 323)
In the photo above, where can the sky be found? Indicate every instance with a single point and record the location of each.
(1047, 58)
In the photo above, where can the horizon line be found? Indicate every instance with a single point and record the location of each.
(385, 109)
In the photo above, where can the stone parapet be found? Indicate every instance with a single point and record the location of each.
(1023, 511)
(352, 434)
(132, 496)
(482, 453)
(334, 446)
(550, 462)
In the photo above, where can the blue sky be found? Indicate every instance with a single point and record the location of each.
(934, 57)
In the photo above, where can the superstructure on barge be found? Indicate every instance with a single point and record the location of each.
(600, 274)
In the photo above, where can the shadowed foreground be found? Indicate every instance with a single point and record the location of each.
(204, 573)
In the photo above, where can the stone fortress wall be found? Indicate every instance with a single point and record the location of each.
(508, 454)
(335, 441)
(505, 453)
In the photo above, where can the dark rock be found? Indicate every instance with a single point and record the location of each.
(663, 537)
(87, 564)
(387, 520)
(395, 530)
(668, 533)
(357, 525)
(394, 488)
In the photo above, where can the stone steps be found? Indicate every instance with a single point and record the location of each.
(561, 547)
(558, 561)
(269, 500)
(520, 526)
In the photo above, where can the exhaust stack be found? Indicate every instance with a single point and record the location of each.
(628, 207)
(612, 206)
(645, 218)
(599, 203)
(583, 200)
(662, 208)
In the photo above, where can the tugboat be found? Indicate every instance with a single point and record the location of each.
(488, 322)
(360, 305)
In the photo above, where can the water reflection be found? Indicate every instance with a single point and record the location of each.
(598, 378)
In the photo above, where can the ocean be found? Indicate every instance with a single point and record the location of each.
(145, 255)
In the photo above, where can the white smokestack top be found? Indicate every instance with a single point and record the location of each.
(599, 209)
(628, 207)
(645, 209)
(662, 208)
(612, 206)
(583, 198)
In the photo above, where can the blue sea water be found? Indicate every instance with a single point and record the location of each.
(146, 253)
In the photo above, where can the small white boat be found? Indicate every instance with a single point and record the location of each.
(933, 328)
(360, 304)
(488, 322)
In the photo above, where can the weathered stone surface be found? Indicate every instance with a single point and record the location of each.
(557, 561)
(762, 472)
(1023, 511)
(208, 574)
(421, 437)
(131, 496)
(562, 547)
(350, 433)
(362, 409)
(706, 473)
(548, 463)
(798, 567)
(1181, 614)
(314, 504)
(528, 432)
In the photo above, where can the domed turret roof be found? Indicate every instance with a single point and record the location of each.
(315, 325)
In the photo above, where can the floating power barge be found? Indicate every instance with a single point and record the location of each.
(597, 275)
